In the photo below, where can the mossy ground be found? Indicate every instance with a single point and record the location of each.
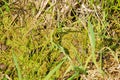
(59, 39)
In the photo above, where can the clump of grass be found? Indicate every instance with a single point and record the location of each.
(59, 39)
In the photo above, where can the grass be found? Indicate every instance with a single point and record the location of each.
(17, 66)
(59, 40)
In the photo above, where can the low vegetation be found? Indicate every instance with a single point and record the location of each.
(59, 39)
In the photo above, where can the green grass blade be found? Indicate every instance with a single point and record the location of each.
(54, 70)
(17, 66)
(73, 76)
(91, 35)
(92, 42)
